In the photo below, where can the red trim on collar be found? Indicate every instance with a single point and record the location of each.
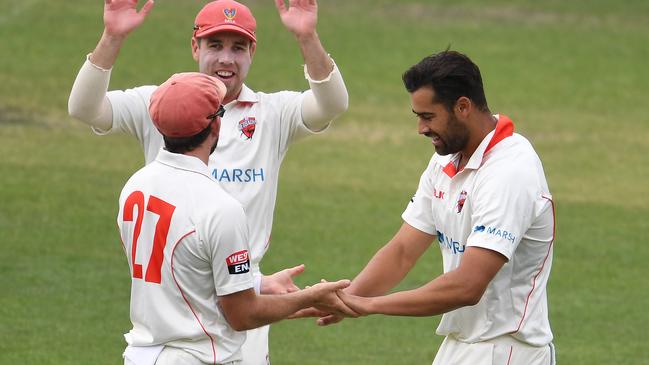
(450, 170)
(504, 129)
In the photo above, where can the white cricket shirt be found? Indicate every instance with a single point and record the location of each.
(186, 243)
(499, 201)
(256, 132)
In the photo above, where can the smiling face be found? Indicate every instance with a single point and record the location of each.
(226, 56)
(447, 133)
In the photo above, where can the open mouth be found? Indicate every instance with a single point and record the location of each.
(225, 74)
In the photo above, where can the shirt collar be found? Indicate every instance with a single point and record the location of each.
(182, 162)
(245, 96)
(504, 128)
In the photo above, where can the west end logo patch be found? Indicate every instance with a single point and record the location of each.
(247, 127)
(460, 201)
(238, 262)
(229, 13)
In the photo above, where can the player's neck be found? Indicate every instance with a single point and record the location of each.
(201, 153)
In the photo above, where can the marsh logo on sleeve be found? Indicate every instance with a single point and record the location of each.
(238, 262)
(247, 127)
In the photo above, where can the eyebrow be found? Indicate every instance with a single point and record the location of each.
(424, 114)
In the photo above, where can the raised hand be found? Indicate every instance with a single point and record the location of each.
(121, 16)
(281, 282)
(300, 17)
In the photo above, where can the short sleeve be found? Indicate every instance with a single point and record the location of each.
(292, 127)
(228, 237)
(131, 110)
(131, 115)
(419, 213)
(503, 209)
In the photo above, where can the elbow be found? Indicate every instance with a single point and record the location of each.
(341, 106)
(239, 323)
(472, 295)
(73, 110)
(239, 326)
(338, 108)
(78, 112)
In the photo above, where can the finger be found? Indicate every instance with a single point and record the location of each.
(281, 6)
(296, 270)
(146, 8)
(330, 319)
(345, 310)
(341, 284)
(308, 312)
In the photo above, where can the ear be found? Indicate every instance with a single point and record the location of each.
(195, 48)
(253, 48)
(463, 107)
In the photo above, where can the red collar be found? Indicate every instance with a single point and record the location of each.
(504, 129)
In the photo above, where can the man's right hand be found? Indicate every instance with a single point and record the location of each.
(327, 300)
(121, 16)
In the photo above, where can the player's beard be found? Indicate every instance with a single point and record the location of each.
(455, 138)
(214, 146)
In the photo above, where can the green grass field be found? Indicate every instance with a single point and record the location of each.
(573, 76)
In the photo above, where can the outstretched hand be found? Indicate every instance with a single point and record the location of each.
(281, 282)
(121, 16)
(300, 17)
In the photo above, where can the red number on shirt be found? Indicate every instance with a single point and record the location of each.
(165, 211)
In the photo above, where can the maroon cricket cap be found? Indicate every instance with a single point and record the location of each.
(185, 104)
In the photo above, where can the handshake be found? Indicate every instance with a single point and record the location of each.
(325, 300)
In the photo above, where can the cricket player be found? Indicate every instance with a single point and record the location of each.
(257, 129)
(485, 200)
(186, 241)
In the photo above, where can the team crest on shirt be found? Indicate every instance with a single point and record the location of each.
(229, 13)
(247, 127)
(238, 262)
(460, 201)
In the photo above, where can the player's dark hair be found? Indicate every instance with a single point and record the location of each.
(451, 75)
(186, 144)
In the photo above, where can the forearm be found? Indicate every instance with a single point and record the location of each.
(461, 287)
(273, 308)
(383, 272)
(444, 294)
(107, 50)
(326, 99)
(316, 59)
(88, 101)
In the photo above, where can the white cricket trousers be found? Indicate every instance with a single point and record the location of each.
(503, 350)
(255, 349)
(176, 356)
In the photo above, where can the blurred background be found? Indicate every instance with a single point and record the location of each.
(572, 75)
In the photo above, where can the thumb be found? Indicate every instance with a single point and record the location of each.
(341, 284)
(296, 270)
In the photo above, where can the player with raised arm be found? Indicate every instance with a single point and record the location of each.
(258, 127)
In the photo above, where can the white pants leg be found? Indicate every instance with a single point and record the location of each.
(176, 356)
(255, 349)
(503, 350)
